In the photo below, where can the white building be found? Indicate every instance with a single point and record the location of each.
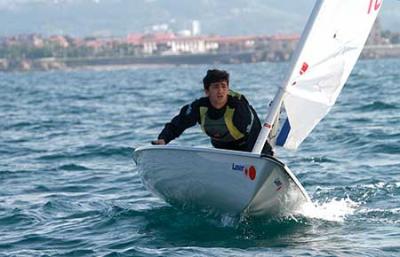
(196, 29)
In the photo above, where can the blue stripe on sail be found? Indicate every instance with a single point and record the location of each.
(283, 134)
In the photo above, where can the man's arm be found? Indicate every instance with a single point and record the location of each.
(187, 117)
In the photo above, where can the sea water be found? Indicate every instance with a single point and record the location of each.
(69, 186)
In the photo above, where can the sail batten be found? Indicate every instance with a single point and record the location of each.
(336, 36)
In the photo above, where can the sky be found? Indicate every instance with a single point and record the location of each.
(121, 17)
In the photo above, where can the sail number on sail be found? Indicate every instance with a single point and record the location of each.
(376, 5)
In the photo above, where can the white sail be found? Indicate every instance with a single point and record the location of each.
(330, 46)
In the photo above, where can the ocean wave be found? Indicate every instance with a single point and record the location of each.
(390, 216)
(378, 106)
(73, 167)
(90, 151)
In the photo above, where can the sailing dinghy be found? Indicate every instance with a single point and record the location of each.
(237, 182)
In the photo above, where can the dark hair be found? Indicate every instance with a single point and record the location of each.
(215, 76)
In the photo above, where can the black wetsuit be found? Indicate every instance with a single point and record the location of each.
(235, 126)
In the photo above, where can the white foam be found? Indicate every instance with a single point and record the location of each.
(332, 210)
(228, 220)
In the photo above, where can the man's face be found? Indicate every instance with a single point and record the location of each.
(218, 94)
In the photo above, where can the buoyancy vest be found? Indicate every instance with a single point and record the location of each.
(223, 128)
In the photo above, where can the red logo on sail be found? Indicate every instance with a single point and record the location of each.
(304, 68)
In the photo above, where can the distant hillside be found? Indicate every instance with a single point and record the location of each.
(119, 17)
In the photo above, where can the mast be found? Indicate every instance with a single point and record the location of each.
(280, 95)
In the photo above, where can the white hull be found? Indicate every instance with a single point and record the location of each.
(221, 180)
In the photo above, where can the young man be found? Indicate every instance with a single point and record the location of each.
(225, 116)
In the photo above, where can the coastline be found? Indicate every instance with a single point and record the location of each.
(155, 61)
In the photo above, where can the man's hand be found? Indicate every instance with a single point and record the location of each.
(158, 142)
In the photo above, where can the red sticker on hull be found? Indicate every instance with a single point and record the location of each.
(252, 173)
